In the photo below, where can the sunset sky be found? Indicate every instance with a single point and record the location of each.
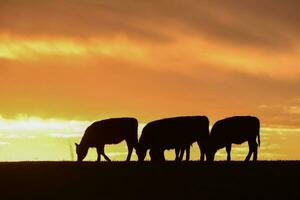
(67, 63)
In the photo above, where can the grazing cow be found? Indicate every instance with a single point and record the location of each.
(173, 133)
(234, 130)
(108, 131)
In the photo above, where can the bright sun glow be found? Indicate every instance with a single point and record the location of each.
(34, 138)
(23, 126)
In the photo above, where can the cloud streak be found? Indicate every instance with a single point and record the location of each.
(23, 49)
(267, 23)
(260, 39)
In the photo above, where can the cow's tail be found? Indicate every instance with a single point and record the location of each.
(258, 134)
(258, 139)
(135, 140)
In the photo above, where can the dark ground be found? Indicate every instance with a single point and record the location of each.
(170, 180)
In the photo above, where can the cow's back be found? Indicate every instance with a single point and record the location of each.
(172, 132)
(235, 129)
(111, 131)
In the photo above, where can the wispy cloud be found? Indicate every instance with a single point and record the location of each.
(4, 143)
(270, 23)
(193, 33)
(293, 109)
(16, 48)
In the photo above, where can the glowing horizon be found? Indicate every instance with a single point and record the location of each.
(48, 134)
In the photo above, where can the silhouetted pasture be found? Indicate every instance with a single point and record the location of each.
(147, 180)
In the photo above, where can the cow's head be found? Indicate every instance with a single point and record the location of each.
(141, 152)
(81, 152)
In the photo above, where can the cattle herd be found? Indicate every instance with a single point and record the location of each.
(177, 133)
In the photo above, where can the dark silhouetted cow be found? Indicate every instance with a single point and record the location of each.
(234, 130)
(108, 131)
(173, 133)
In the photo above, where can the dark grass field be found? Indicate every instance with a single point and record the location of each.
(170, 180)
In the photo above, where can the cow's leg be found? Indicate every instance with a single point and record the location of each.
(255, 152)
(153, 156)
(228, 150)
(250, 144)
(161, 155)
(202, 151)
(181, 153)
(254, 149)
(177, 151)
(157, 155)
(99, 152)
(130, 148)
(106, 158)
(187, 151)
(103, 154)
